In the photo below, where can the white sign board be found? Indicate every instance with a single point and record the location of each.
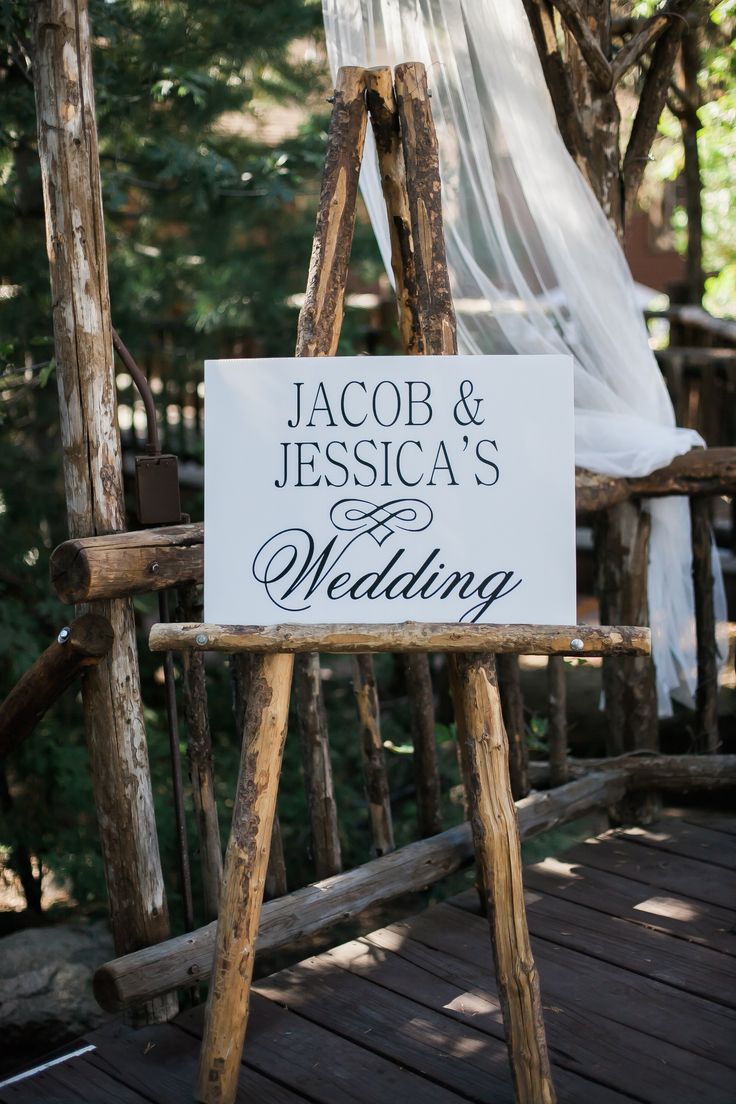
(387, 489)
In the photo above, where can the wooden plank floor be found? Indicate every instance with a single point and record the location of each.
(634, 940)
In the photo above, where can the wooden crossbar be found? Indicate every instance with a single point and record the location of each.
(407, 636)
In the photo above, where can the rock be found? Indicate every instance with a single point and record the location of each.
(46, 996)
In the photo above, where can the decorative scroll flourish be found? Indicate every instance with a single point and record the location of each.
(380, 521)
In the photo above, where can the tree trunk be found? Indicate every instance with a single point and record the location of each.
(67, 139)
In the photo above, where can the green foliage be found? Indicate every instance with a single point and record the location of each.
(717, 156)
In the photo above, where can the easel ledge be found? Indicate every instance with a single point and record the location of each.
(407, 636)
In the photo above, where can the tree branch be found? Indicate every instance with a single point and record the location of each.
(647, 35)
(589, 47)
(651, 104)
(685, 107)
(558, 82)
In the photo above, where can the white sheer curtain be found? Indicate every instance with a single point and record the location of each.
(535, 266)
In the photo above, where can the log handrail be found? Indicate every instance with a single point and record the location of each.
(690, 314)
(79, 646)
(126, 981)
(646, 771)
(137, 977)
(124, 564)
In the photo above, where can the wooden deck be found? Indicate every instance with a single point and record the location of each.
(634, 941)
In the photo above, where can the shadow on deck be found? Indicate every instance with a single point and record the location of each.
(634, 941)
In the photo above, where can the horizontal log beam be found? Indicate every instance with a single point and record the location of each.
(698, 472)
(668, 773)
(680, 773)
(693, 315)
(80, 645)
(594, 492)
(695, 356)
(119, 565)
(137, 977)
(407, 636)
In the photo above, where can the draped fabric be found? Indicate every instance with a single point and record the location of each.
(534, 264)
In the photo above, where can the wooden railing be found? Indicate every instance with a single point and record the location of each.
(125, 564)
(121, 565)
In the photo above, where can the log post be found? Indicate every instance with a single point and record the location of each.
(706, 693)
(320, 789)
(276, 884)
(512, 704)
(498, 853)
(75, 234)
(199, 754)
(421, 712)
(246, 859)
(557, 731)
(373, 759)
(622, 542)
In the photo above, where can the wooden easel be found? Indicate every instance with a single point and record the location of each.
(407, 150)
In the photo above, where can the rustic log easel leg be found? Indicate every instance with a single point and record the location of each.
(242, 667)
(498, 852)
(477, 700)
(268, 704)
(318, 334)
(246, 860)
